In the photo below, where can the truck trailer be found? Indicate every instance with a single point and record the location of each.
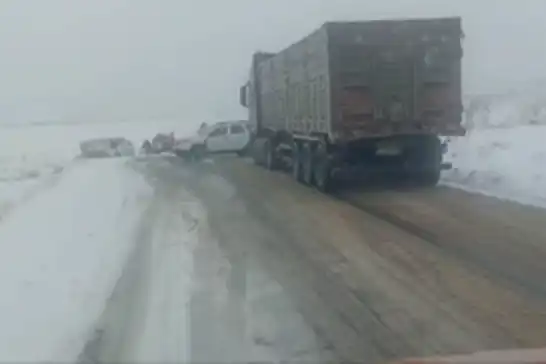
(357, 99)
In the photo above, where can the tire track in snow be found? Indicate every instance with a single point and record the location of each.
(113, 331)
(145, 318)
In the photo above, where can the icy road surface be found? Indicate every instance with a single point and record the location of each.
(191, 294)
(282, 272)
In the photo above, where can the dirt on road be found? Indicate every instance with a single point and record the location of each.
(377, 275)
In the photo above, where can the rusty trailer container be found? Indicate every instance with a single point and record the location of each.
(362, 93)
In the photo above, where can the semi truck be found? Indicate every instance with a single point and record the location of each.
(357, 99)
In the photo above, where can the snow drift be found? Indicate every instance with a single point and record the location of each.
(503, 153)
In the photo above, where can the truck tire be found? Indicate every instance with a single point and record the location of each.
(297, 172)
(428, 178)
(308, 164)
(322, 169)
(269, 155)
(258, 150)
(428, 160)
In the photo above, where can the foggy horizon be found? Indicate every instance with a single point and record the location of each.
(124, 60)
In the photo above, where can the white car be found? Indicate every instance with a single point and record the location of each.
(125, 148)
(106, 148)
(223, 137)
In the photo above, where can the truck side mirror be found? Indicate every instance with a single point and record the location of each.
(242, 96)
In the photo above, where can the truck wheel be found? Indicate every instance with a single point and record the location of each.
(297, 162)
(429, 178)
(308, 164)
(430, 160)
(257, 150)
(269, 154)
(322, 169)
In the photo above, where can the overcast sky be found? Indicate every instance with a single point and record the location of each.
(102, 60)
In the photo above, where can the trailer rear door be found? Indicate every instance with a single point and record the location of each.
(396, 78)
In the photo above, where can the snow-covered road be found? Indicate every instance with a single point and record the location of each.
(61, 253)
(101, 261)
(183, 297)
(112, 263)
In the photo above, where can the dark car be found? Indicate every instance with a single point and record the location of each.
(163, 143)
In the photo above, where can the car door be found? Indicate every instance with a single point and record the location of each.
(238, 137)
(217, 140)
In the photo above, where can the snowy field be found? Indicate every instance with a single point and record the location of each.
(31, 157)
(503, 153)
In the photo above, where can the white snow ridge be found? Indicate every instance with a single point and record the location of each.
(60, 256)
(503, 153)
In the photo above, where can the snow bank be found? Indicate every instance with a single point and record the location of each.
(504, 153)
(60, 256)
(508, 163)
